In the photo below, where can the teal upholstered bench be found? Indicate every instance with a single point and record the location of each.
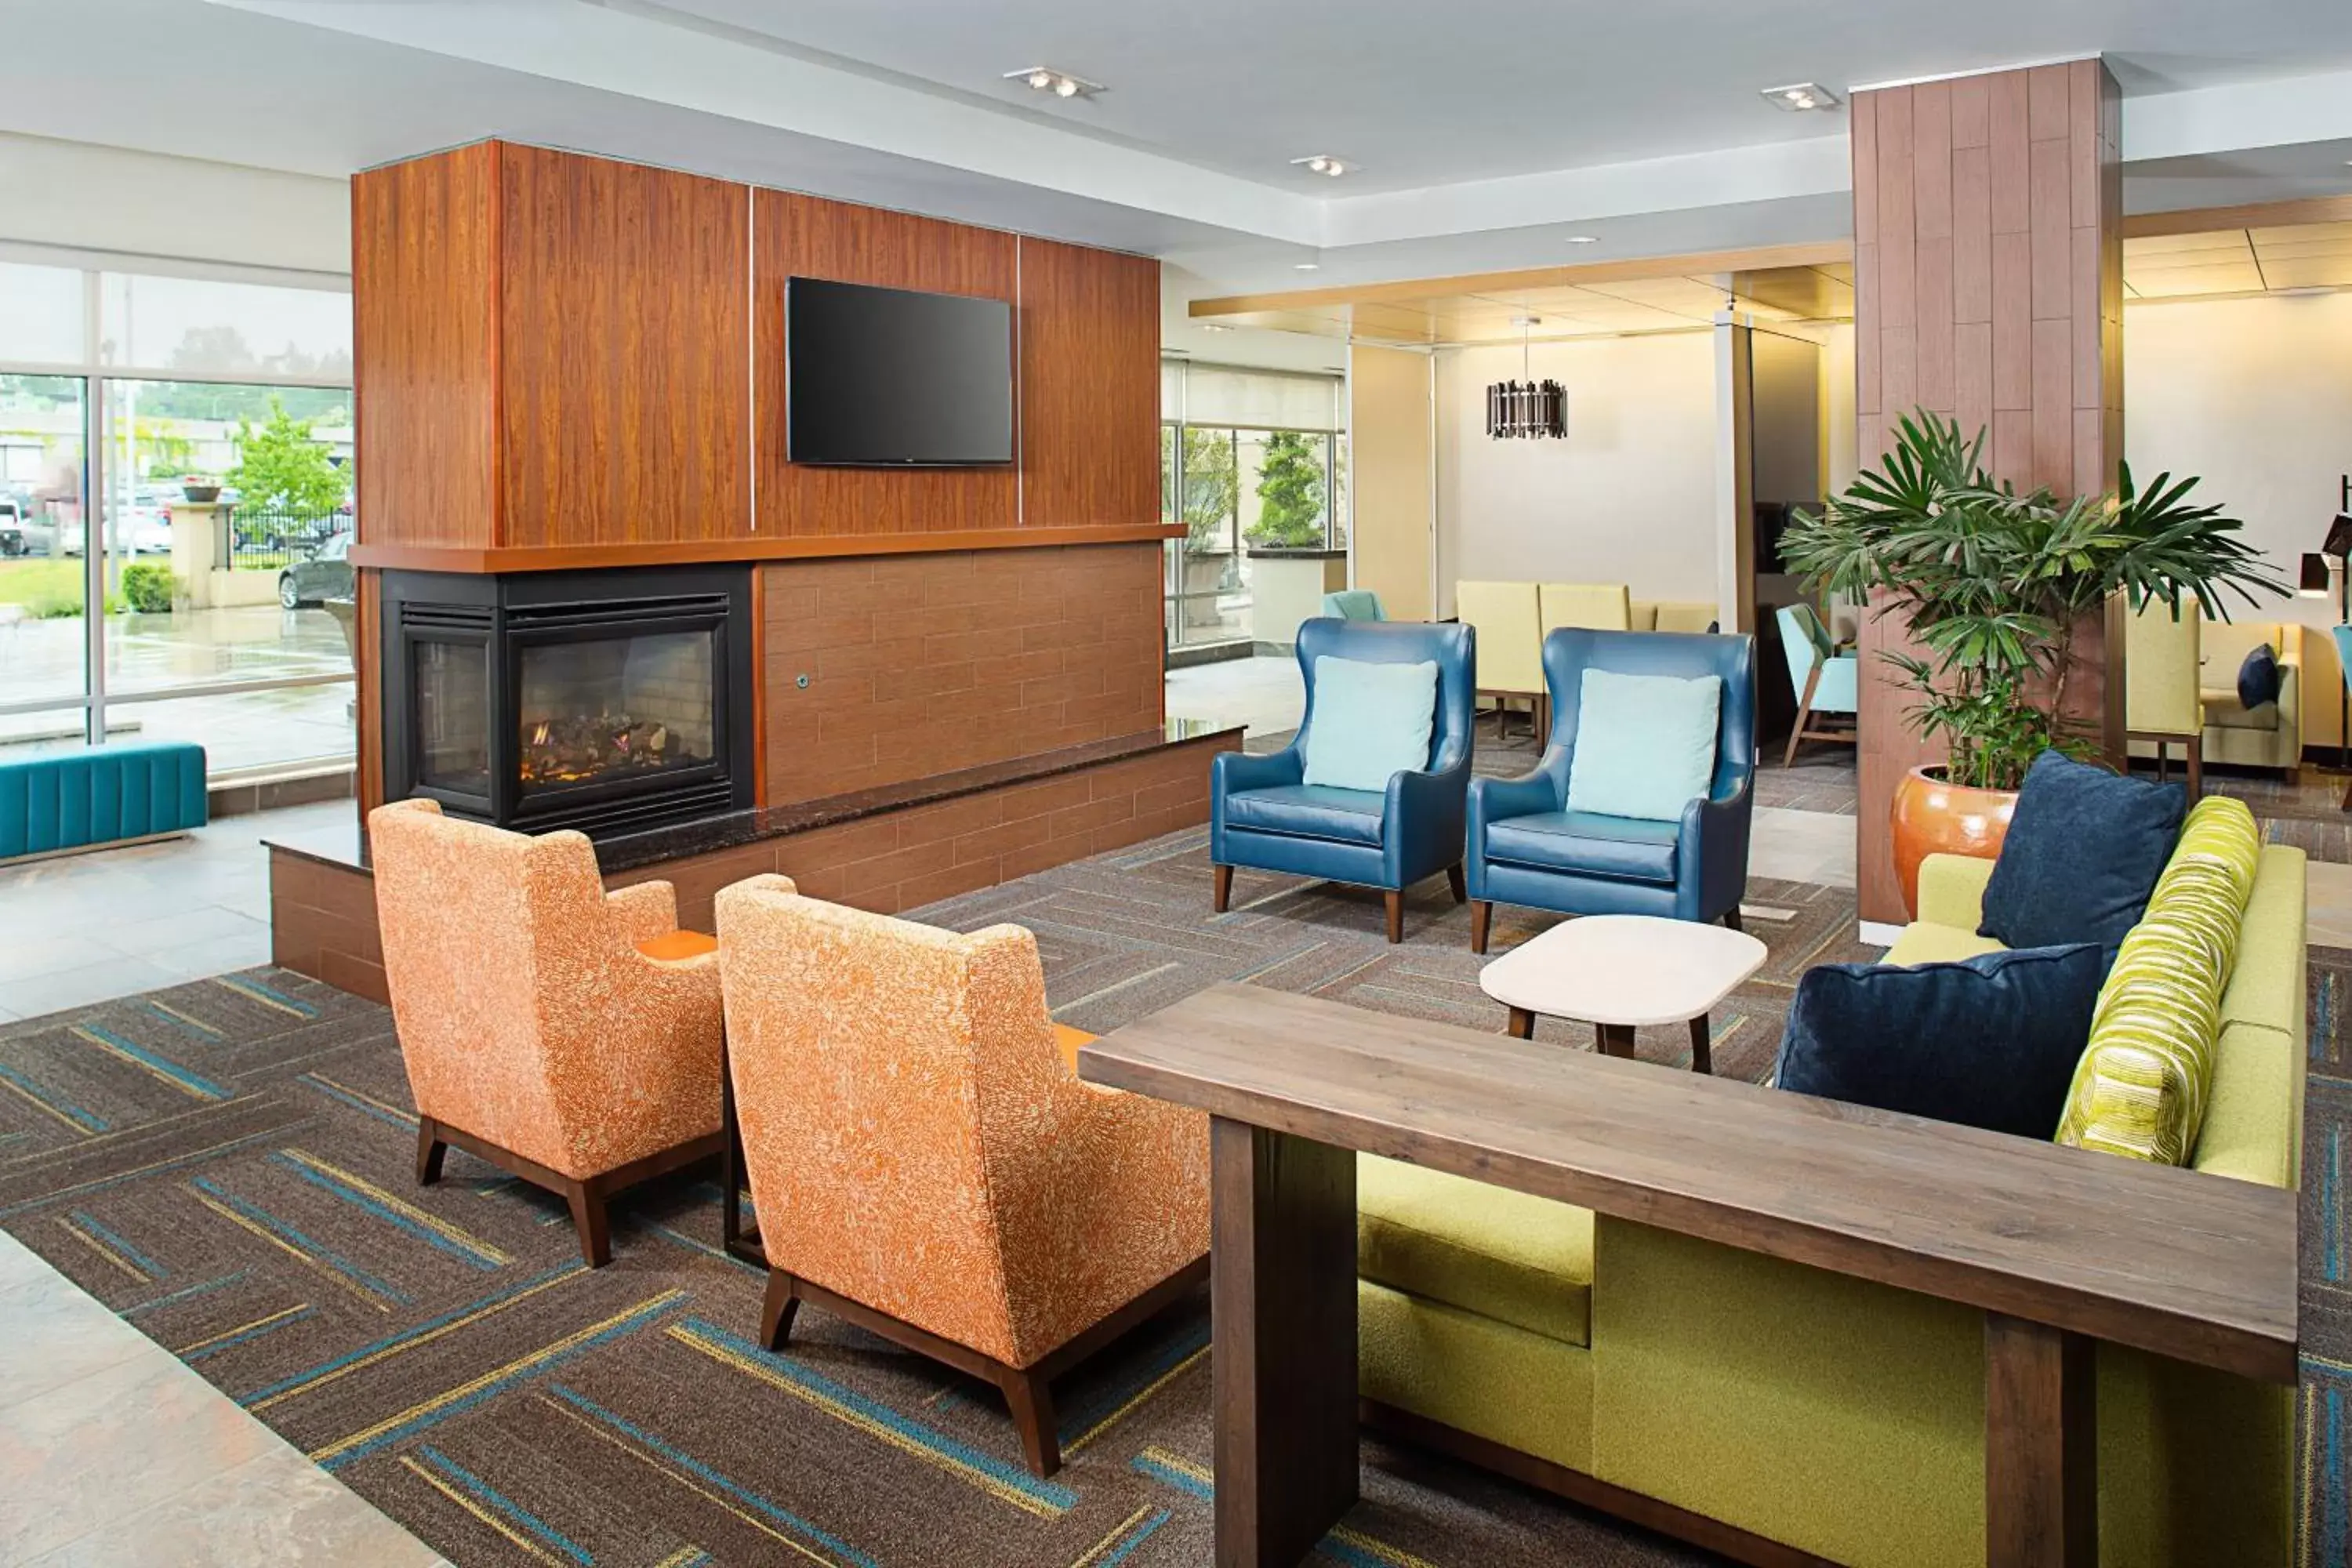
(84, 800)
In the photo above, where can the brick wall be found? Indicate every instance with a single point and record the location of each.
(322, 917)
(922, 664)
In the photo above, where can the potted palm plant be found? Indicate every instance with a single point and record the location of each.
(1995, 585)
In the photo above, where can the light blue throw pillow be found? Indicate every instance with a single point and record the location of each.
(1370, 721)
(1644, 743)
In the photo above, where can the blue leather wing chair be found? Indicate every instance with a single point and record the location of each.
(1526, 848)
(1262, 813)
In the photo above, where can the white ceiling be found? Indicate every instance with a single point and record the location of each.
(1429, 95)
(1489, 130)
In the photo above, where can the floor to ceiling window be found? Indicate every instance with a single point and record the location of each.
(1248, 459)
(175, 503)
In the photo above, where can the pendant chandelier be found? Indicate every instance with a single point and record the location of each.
(1528, 410)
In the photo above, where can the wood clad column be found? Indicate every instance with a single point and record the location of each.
(1987, 289)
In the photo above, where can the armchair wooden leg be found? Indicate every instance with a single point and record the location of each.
(1031, 1400)
(1543, 724)
(1796, 737)
(1482, 913)
(589, 1218)
(1461, 889)
(429, 1150)
(1393, 899)
(778, 1307)
(1224, 888)
(2196, 769)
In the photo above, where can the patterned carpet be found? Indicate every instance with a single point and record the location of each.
(227, 1165)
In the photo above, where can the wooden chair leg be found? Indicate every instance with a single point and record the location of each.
(1543, 723)
(778, 1307)
(429, 1150)
(1482, 913)
(1796, 738)
(2195, 749)
(1461, 889)
(1702, 1060)
(1224, 888)
(1393, 899)
(1031, 1400)
(588, 1217)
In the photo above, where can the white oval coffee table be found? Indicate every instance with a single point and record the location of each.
(1619, 973)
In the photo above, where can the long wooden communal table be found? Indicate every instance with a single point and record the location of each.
(2059, 1248)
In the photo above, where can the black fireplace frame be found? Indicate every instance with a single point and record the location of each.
(505, 615)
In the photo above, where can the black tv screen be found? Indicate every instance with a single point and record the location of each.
(885, 377)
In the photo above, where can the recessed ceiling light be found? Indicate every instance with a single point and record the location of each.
(1322, 163)
(1307, 266)
(1798, 96)
(1060, 83)
(1583, 239)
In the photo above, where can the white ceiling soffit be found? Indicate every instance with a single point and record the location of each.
(643, 56)
(644, 78)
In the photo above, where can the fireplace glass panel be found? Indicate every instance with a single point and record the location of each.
(616, 708)
(453, 716)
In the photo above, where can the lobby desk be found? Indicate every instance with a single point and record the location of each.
(2057, 1248)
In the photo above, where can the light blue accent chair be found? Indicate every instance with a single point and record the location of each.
(1826, 680)
(2343, 636)
(1264, 814)
(1354, 605)
(1525, 847)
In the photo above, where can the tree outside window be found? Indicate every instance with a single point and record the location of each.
(1290, 493)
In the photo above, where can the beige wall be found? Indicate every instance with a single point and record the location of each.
(1389, 486)
(1629, 497)
(2253, 396)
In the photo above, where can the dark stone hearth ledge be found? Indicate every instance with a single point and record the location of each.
(345, 845)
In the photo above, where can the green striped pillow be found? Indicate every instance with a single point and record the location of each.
(2141, 1087)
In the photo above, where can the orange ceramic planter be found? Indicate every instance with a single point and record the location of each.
(1932, 817)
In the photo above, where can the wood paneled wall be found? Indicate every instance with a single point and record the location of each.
(556, 353)
(624, 407)
(1987, 289)
(1988, 266)
(424, 339)
(1089, 385)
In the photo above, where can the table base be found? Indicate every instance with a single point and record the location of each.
(1617, 1040)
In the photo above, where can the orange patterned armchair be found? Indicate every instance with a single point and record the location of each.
(923, 1162)
(544, 1028)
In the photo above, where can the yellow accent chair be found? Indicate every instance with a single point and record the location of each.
(1588, 607)
(2269, 736)
(1674, 616)
(538, 1033)
(2163, 658)
(924, 1162)
(1842, 1418)
(1507, 618)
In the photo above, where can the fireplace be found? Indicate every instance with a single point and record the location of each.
(602, 701)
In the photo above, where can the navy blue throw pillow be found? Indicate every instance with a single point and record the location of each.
(1991, 1042)
(2083, 854)
(2258, 678)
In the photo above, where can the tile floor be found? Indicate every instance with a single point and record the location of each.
(1265, 693)
(114, 1453)
(81, 928)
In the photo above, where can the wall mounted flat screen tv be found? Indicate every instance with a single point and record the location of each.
(891, 377)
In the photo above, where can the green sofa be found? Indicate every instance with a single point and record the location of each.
(1838, 1416)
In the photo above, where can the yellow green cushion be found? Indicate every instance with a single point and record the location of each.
(2266, 986)
(1525, 1260)
(1474, 1374)
(2249, 1131)
(1924, 944)
(2141, 1087)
